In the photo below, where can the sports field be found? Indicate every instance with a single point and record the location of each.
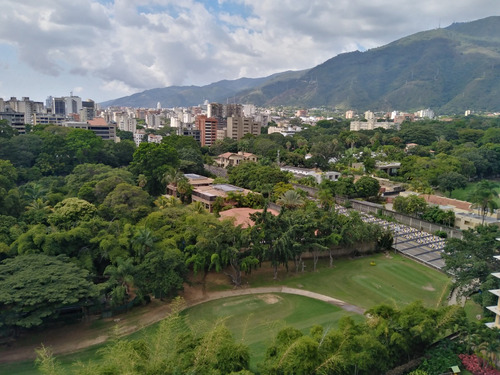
(255, 319)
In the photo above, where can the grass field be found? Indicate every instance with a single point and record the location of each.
(462, 194)
(394, 279)
(256, 319)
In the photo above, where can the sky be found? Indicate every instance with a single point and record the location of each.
(106, 49)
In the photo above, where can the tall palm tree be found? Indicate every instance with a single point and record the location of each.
(143, 241)
(120, 275)
(483, 198)
(290, 199)
(172, 177)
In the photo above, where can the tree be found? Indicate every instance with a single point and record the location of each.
(483, 197)
(450, 181)
(6, 131)
(127, 202)
(34, 287)
(411, 205)
(121, 279)
(470, 259)
(290, 199)
(367, 187)
(70, 212)
(153, 160)
(162, 272)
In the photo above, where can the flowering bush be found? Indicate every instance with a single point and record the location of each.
(476, 365)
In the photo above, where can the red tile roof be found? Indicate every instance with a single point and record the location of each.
(97, 121)
(242, 215)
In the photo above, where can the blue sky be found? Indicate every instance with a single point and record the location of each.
(111, 48)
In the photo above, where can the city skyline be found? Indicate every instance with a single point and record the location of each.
(107, 49)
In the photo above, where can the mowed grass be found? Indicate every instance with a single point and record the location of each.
(463, 194)
(394, 280)
(256, 319)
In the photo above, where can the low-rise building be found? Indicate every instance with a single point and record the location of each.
(98, 125)
(195, 180)
(207, 195)
(232, 159)
(319, 176)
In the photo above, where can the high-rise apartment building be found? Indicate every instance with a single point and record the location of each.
(208, 129)
(237, 127)
(233, 110)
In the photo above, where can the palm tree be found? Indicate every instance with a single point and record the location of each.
(172, 177)
(483, 198)
(351, 139)
(120, 275)
(143, 241)
(184, 188)
(290, 199)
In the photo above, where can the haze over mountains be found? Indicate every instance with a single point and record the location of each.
(449, 70)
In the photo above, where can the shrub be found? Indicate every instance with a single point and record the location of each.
(476, 365)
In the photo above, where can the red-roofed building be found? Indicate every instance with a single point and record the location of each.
(241, 216)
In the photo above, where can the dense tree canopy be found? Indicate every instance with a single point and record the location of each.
(35, 287)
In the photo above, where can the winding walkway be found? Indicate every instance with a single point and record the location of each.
(70, 339)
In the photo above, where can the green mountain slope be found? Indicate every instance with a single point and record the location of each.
(449, 70)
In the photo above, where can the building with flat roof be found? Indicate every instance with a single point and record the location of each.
(98, 125)
(207, 195)
(318, 175)
(208, 129)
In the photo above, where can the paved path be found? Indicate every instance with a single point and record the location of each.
(73, 338)
(280, 289)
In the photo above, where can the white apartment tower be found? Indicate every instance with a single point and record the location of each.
(495, 309)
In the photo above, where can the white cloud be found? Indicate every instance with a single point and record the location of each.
(132, 45)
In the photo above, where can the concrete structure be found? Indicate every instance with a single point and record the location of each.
(350, 114)
(371, 125)
(318, 175)
(237, 127)
(48, 118)
(99, 126)
(391, 168)
(152, 138)
(215, 110)
(208, 194)
(25, 106)
(233, 110)
(208, 129)
(139, 137)
(194, 179)
(286, 131)
(189, 130)
(15, 119)
(495, 309)
(231, 159)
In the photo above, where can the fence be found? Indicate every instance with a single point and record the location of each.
(377, 209)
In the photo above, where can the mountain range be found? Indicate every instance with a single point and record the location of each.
(448, 69)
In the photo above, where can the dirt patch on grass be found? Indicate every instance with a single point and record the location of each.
(270, 299)
(429, 287)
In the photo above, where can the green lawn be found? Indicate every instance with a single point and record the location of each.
(462, 194)
(393, 280)
(256, 319)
